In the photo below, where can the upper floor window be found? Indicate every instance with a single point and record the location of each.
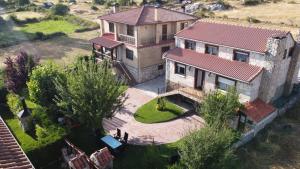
(241, 56)
(179, 69)
(224, 83)
(291, 51)
(111, 27)
(190, 45)
(164, 32)
(183, 25)
(210, 49)
(129, 54)
(130, 30)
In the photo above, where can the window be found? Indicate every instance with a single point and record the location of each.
(179, 69)
(130, 30)
(190, 44)
(241, 56)
(165, 49)
(164, 33)
(160, 67)
(291, 51)
(111, 27)
(210, 49)
(224, 83)
(183, 25)
(285, 54)
(129, 54)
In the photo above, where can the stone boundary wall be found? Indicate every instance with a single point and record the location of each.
(247, 137)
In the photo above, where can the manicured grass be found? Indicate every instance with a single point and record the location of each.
(50, 26)
(149, 114)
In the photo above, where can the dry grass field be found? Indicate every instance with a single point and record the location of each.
(26, 14)
(282, 12)
(62, 50)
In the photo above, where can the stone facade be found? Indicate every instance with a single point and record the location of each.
(268, 86)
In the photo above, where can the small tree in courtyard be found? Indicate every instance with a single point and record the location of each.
(217, 107)
(208, 148)
(60, 9)
(90, 93)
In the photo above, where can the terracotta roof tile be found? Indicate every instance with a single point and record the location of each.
(232, 69)
(145, 15)
(258, 110)
(241, 37)
(11, 154)
(107, 40)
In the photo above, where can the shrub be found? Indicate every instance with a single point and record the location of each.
(161, 104)
(60, 9)
(41, 83)
(251, 2)
(100, 2)
(40, 132)
(13, 18)
(23, 2)
(14, 103)
(252, 19)
(292, 2)
(208, 148)
(93, 7)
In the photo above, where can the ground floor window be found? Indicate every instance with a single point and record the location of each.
(224, 83)
(160, 67)
(180, 69)
(129, 54)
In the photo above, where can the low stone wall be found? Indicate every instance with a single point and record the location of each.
(247, 137)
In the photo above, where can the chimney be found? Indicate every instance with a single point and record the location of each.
(156, 13)
(183, 8)
(115, 7)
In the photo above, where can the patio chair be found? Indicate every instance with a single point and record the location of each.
(125, 139)
(118, 134)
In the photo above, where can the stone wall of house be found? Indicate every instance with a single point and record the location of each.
(276, 69)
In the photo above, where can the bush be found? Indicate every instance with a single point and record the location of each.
(40, 132)
(41, 83)
(93, 7)
(100, 2)
(60, 9)
(252, 19)
(23, 2)
(14, 18)
(208, 148)
(251, 2)
(14, 103)
(292, 2)
(161, 104)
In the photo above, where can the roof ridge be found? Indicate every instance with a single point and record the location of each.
(180, 12)
(140, 14)
(118, 12)
(241, 25)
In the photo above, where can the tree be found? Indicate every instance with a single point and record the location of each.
(218, 108)
(60, 9)
(41, 83)
(208, 148)
(17, 71)
(90, 93)
(23, 2)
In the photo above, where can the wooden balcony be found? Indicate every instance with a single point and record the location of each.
(127, 39)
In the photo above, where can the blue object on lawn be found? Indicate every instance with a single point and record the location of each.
(111, 142)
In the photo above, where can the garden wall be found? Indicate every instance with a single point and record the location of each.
(247, 137)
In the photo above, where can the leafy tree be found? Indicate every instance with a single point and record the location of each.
(90, 93)
(208, 148)
(217, 107)
(41, 83)
(60, 9)
(17, 71)
(23, 2)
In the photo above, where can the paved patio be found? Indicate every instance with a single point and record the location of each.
(142, 134)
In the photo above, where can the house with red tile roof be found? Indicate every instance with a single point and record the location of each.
(260, 63)
(11, 154)
(137, 38)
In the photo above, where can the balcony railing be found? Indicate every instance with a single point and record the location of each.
(127, 39)
(166, 37)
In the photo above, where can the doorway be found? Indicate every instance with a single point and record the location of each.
(199, 79)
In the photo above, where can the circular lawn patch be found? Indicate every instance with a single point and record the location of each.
(148, 113)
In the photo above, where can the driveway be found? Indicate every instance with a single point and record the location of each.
(143, 134)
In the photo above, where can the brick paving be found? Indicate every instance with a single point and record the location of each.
(143, 134)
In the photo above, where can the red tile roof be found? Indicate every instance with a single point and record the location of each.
(232, 69)
(107, 40)
(11, 154)
(145, 15)
(241, 37)
(258, 110)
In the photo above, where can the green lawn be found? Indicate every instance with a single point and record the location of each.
(149, 114)
(50, 26)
